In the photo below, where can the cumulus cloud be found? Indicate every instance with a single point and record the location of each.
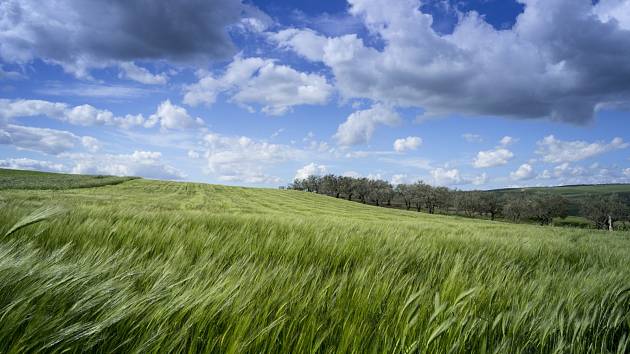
(137, 73)
(524, 172)
(84, 115)
(146, 164)
(47, 141)
(495, 157)
(170, 116)
(91, 144)
(312, 169)
(81, 35)
(558, 151)
(30, 164)
(360, 125)
(256, 81)
(167, 115)
(541, 67)
(446, 177)
(408, 143)
(242, 159)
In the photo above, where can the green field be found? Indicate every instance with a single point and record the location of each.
(148, 266)
(42, 180)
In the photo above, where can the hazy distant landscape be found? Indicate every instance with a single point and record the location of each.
(165, 266)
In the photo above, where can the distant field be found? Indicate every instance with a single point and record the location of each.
(576, 193)
(148, 266)
(19, 179)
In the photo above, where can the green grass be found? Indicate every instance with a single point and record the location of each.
(147, 266)
(20, 179)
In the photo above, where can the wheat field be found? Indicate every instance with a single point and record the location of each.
(149, 266)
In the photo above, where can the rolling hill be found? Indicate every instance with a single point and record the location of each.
(153, 266)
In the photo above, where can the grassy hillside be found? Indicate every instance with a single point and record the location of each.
(576, 193)
(19, 179)
(147, 266)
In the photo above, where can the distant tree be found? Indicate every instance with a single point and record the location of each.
(405, 192)
(516, 207)
(604, 212)
(419, 189)
(490, 204)
(444, 198)
(346, 185)
(546, 206)
(330, 185)
(361, 188)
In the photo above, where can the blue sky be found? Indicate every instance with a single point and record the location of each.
(468, 94)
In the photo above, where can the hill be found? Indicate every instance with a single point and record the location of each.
(163, 266)
(576, 193)
(20, 179)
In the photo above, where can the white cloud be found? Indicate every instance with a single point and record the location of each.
(48, 141)
(171, 116)
(524, 172)
(479, 180)
(167, 115)
(146, 164)
(558, 151)
(399, 179)
(490, 158)
(242, 159)
(84, 115)
(30, 164)
(360, 125)
(472, 138)
(408, 143)
(507, 141)
(131, 71)
(541, 67)
(277, 88)
(626, 172)
(91, 144)
(312, 169)
(446, 177)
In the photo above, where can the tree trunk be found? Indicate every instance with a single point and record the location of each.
(610, 224)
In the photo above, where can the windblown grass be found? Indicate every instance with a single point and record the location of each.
(20, 179)
(149, 266)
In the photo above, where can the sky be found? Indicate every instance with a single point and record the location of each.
(466, 94)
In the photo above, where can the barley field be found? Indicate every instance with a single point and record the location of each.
(153, 267)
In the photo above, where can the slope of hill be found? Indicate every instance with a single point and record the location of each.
(20, 179)
(576, 193)
(163, 266)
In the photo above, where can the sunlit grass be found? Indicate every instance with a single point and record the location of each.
(147, 266)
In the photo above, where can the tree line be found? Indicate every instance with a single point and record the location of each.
(605, 212)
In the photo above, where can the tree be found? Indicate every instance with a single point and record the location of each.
(418, 190)
(346, 186)
(443, 198)
(546, 206)
(604, 211)
(313, 183)
(330, 185)
(516, 207)
(405, 192)
(490, 203)
(361, 188)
